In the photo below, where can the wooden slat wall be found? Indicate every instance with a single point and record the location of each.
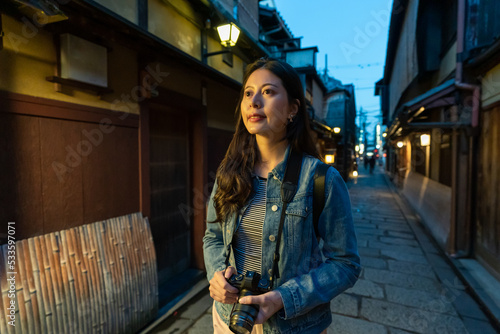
(95, 278)
(60, 169)
(488, 191)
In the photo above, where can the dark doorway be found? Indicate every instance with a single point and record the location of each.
(170, 184)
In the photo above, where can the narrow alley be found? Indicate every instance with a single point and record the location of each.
(407, 284)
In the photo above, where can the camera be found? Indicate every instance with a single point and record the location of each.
(242, 315)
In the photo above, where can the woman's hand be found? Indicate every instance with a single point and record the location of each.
(269, 303)
(221, 290)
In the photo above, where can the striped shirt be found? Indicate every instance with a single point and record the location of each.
(248, 241)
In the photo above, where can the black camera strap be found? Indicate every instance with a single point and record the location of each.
(288, 190)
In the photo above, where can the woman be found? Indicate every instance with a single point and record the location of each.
(245, 207)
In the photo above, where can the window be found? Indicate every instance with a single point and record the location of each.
(436, 32)
(448, 25)
(482, 24)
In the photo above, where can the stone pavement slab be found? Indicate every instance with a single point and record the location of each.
(373, 262)
(346, 304)
(188, 317)
(420, 299)
(404, 250)
(411, 268)
(203, 325)
(367, 288)
(401, 280)
(347, 325)
(410, 318)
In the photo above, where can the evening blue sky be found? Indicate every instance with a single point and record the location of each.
(353, 33)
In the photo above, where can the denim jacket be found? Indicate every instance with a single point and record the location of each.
(310, 275)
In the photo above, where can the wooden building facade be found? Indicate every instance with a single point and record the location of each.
(440, 100)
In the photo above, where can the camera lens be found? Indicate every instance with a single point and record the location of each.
(243, 316)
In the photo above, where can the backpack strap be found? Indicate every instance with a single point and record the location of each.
(319, 194)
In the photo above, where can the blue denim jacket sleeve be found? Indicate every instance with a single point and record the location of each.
(341, 267)
(213, 242)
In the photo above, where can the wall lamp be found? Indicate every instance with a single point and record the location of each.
(336, 130)
(425, 140)
(228, 34)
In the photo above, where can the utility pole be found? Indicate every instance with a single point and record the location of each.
(362, 119)
(326, 65)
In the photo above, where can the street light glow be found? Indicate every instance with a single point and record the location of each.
(228, 34)
(425, 140)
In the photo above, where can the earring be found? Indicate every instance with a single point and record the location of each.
(290, 118)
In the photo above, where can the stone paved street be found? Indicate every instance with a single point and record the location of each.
(407, 284)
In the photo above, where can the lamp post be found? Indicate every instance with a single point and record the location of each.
(228, 34)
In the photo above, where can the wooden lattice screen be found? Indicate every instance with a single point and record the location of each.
(95, 278)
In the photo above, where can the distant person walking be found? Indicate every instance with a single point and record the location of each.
(372, 164)
(366, 162)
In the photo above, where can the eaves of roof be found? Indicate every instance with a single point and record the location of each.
(430, 96)
(93, 15)
(270, 18)
(438, 96)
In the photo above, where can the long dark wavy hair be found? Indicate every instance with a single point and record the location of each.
(234, 173)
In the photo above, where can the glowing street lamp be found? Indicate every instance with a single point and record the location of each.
(336, 130)
(228, 34)
(425, 140)
(400, 144)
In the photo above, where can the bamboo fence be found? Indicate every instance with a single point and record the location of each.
(95, 278)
